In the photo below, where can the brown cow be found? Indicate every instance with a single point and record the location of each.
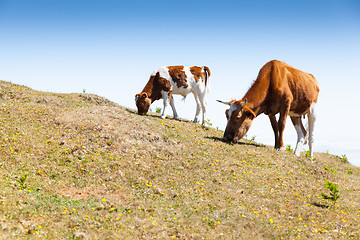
(279, 88)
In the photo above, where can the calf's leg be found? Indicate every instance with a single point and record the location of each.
(198, 107)
(173, 107)
(165, 97)
(203, 103)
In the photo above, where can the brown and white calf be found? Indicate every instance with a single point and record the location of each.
(182, 80)
(279, 88)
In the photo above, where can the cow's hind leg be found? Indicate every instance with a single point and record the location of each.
(203, 103)
(311, 123)
(198, 107)
(301, 133)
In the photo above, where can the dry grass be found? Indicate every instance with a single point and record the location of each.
(76, 166)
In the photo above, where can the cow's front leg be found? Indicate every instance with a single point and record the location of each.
(165, 96)
(282, 121)
(173, 107)
(275, 127)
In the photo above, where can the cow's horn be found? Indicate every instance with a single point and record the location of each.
(226, 103)
(244, 102)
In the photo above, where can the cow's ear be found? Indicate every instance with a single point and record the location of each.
(250, 114)
(144, 95)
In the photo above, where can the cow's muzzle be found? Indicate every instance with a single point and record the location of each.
(229, 138)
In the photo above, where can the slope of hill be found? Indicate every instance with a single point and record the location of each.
(77, 166)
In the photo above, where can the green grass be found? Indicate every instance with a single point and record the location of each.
(96, 170)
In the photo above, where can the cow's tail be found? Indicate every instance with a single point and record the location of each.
(207, 78)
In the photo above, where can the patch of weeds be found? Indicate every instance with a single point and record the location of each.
(350, 171)
(343, 158)
(307, 155)
(333, 192)
(22, 180)
(158, 109)
(127, 210)
(330, 170)
(289, 149)
(208, 123)
(211, 223)
(252, 139)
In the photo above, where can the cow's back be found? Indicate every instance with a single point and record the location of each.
(181, 79)
(302, 87)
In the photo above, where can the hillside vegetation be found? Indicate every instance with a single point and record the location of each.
(77, 166)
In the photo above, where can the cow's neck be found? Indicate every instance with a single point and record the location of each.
(256, 95)
(152, 89)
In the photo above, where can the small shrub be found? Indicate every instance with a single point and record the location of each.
(333, 192)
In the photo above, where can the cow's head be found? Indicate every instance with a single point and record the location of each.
(239, 118)
(143, 103)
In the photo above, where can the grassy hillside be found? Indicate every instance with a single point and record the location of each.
(77, 166)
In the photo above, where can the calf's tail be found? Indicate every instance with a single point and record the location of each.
(207, 77)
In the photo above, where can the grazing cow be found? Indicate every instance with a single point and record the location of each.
(279, 88)
(166, 81)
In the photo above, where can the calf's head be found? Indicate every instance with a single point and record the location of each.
(239, 119)
(143, 103)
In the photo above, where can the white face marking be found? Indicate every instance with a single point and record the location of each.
(231, 110)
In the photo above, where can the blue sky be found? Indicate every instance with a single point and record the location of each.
(110, 48)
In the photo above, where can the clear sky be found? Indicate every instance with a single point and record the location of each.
(109, 48)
